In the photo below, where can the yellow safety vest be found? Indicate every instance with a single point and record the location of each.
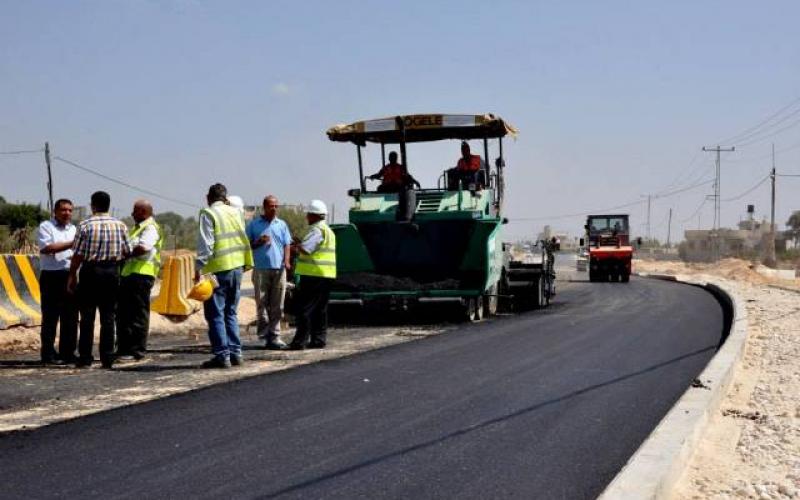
(321, 263)
(231, 246)
(147, 265)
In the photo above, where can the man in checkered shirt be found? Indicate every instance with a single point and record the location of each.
(101, 244)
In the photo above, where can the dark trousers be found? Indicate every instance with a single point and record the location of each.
(98, 288)
(133, 314)
(58, 305)
(312, 295)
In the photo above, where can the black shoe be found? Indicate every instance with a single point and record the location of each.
(316, 345)
(139, 356)
(236, 360)
(107, 364)
(295, 347)
(275, 345)
(83, 363)
(53, 362)
(216, 362)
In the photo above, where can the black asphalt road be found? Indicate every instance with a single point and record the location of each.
(543, 405)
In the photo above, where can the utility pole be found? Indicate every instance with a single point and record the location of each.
(771, 260)
(648, 217)
(669, 227)
(49, 178)
(717, 204)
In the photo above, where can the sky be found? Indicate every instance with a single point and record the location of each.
(613, 100)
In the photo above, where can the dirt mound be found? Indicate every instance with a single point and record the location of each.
(734, 269)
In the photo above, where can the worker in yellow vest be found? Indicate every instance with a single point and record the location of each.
(137, 277)
(316, 272)
(224, 251)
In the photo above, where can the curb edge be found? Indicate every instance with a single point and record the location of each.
(654, 469)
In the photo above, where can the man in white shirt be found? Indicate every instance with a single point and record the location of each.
(55, 237)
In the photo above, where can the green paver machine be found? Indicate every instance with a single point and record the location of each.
(433, 245)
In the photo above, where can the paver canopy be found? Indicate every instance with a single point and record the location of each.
(420, 128)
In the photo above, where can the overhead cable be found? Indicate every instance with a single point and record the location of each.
(21, 152)
(762, 181)
(123, 183)
(742, 135)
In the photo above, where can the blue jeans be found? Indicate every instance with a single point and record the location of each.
(220, 313)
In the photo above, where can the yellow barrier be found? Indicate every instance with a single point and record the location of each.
(176, 281)
(20, 299)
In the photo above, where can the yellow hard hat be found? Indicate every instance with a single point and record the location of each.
(202, 291)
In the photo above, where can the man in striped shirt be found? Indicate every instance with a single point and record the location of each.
(101, 243)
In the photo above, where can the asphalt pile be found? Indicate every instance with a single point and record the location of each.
(372, 282)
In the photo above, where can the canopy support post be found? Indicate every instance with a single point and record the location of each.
(383, 154)
(401, 126)
(361, 170)
(486, 164)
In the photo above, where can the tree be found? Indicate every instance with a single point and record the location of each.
(794, 225)
(295, 218)
(17, 216)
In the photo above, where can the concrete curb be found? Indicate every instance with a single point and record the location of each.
(653, 471)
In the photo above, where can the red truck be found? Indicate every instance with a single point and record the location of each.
(610, 249)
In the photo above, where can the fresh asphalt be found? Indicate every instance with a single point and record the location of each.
(548, 404)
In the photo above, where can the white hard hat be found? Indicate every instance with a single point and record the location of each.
(235, 201)
(317, 207)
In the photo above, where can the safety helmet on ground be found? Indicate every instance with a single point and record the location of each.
(202, 291)
(317, 207)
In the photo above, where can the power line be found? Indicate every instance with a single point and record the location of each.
(788, 175)
(759, 183)
(687, 169)
(739, 137)
(773, 134)
(608, 209)
(123, 183)
(687, 188)
(21, 152)
(578, 214)
(697, 211)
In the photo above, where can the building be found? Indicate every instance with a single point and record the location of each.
(748, 241)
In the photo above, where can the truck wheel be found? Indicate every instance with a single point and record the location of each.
(469, 309)
(478, 315)
(626, 277)
(535, 299)
(542, 299)
(490, 301)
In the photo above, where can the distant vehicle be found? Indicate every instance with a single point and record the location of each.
(609, 247)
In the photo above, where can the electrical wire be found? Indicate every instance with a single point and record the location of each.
(123, 183)
(688, 169)
(697, 211)
(22, 152)
(759, 183)
(787, 175)
(752, 130)
(773, 134)
(626, 205)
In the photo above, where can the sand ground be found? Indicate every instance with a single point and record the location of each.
(752, 447)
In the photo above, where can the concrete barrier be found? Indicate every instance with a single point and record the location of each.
(653, 471)
(177, 279)
(20, 298)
